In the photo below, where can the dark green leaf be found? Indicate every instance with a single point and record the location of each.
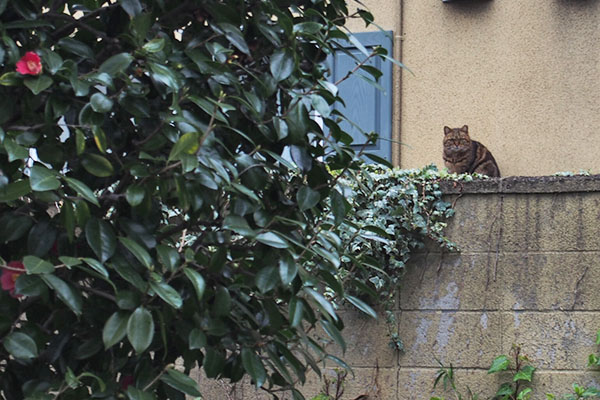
(140, 329)
(287, 269)
(20, 345)
(38, 85)
(235, 37)
(35, 265)
(197, 281)
(30, 285)
(334, 333)
(116, 64)
(135, 195)
(296, 311)
(15, 151)
(238, 225)
(222, 304)
(155, 45)
(181, 382)
(115, 329)
(273, 240)
(505, 389)
(100, 103)
(361, 305)
(77, 48)
(187, 144)
(168, 256)
(213, 364)
(65, 292)
(97, 165)
(41, 238)
(167, 293)
(267, 279)
(83, 190)
(42, 178)
(127, 299)
(196, 339)
(307, 198)
(138, 251)
(134, 393)
(14, 190)
(96, 266)
(282, 64)
(165, 75)
(101, 238)
(254, 367)
(322, 302)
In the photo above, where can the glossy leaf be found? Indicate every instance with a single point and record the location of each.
(97, 165)
(116, 64)
(42, 178)
(20, 345)
(135, 195)
(282, 64)
(187, 144)
(115, 329)
(181, 382)
(35, 265)
(82, 190)
(14, 191)
(38, 85)
(101, 238)
(65, 292)
(167, 293)
(197, 281)
(273, 240)
(140, 329)
(254, 367)
(138, 251)
(307, 198)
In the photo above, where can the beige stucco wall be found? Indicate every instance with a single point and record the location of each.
(523, 74)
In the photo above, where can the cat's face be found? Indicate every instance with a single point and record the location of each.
(456, 140)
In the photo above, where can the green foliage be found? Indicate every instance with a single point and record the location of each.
(145, 187)
(521, 373)
(394, 212)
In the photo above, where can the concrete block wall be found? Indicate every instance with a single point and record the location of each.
(528, 273)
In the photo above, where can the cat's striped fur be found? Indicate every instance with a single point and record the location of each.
(463, 155)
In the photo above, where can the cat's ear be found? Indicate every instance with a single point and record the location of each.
(447, 130)
(465, 129)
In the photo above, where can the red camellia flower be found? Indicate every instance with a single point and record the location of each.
(126, 381)
(9, 277)
(29, 64)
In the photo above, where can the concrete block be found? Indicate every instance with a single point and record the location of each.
(376, 383)
(417, 384)
(217, 388)
(465, 339)
(552, 340)
(551, 222)
(475, 226)
(549, 281)
(560, 383)
(367, 341)
(452, 281)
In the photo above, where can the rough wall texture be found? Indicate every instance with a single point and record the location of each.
(527, 274)
(522, 74)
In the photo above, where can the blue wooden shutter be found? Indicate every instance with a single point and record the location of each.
(366, 105)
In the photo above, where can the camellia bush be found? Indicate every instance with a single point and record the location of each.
(166, 200)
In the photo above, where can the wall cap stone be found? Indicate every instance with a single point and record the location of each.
(524, 184)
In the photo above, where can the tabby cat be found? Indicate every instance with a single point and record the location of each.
(461, 154)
